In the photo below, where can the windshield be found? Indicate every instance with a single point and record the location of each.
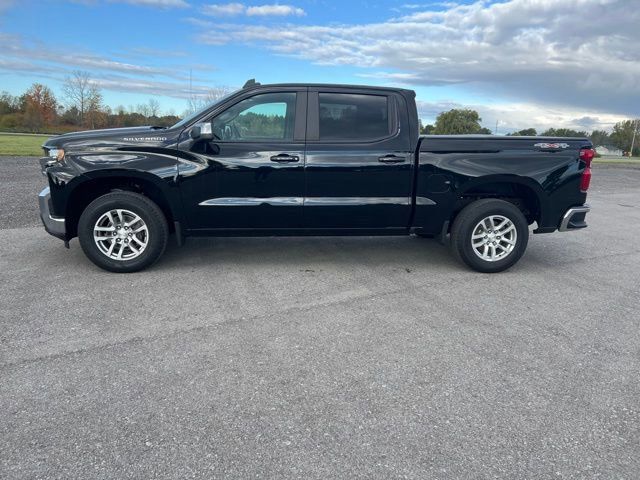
(193, 116)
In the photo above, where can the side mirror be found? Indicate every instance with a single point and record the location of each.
(202, 131)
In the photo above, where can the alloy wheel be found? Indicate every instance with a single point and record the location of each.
(494, 238)
(121, 234)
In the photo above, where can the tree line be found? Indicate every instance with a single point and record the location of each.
(466, 121)
(81, 106)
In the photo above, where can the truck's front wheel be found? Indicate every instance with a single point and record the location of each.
(123, 232)
(490, 235)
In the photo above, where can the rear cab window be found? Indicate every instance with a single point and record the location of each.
(352, 117)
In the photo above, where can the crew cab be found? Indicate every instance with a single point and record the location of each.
(292, 159)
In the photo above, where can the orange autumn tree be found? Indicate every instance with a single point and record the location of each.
(41, 105)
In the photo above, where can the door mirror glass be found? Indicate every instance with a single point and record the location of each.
(202, 131)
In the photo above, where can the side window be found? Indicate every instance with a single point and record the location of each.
(346, 116)
(265, 117)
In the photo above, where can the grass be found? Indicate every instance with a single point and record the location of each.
(16, 144)
(620, 160)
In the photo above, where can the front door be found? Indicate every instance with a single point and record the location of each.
(251, 175)
(358, 162)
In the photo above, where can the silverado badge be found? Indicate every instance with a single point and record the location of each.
(144, 139)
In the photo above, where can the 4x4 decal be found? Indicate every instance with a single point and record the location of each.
(552, 145)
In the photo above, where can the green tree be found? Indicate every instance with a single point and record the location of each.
(622, 135)
(94, 116)
(427, 129)
(271, 126)
(33, 119)
(527, 132)
(71, 116)
(599, 137)
(459, 122)
(563, 132)
(8, 103)
(12, 121)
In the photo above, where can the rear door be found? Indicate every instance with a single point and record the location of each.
(358, 167)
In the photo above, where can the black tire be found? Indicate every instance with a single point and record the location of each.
(149, 212)
(467, 221)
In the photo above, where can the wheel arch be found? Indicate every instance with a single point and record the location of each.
(96, 184)
(524, 192)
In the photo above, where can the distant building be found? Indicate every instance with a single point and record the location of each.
(609, 150)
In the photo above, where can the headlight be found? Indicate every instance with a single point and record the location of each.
(57, 153)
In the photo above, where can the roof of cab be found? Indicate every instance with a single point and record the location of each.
(252, 84)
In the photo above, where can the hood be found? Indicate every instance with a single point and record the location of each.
(114, 137)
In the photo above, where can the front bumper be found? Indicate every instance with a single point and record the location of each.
(573, 219)
(46, 162)
(53, 225)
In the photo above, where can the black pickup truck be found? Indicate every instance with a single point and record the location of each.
(293, 159)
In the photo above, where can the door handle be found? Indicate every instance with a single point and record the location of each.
(285, 158)
(391, 159)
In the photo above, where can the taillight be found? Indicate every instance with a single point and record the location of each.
(586, 155)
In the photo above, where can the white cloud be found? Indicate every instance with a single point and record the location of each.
(574, 53)
(234, 9)
(226, 9)
(275, 10)
(199, 22)
(118, 83)
(37, 60)
(17, 49)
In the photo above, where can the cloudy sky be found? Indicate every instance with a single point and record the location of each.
(521, 63)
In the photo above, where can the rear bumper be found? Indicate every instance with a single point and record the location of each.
(53, 225)
(574, 218)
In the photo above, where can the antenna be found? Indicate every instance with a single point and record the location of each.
(192, 105)
(251, 83)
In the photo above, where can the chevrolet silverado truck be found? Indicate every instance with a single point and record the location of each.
(292, 159)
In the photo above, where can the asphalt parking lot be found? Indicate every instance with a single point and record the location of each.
(322, 357)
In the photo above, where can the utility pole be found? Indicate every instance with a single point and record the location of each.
(496, 131)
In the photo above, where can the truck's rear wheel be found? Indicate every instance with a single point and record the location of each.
(123, 232)
(490, 235)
